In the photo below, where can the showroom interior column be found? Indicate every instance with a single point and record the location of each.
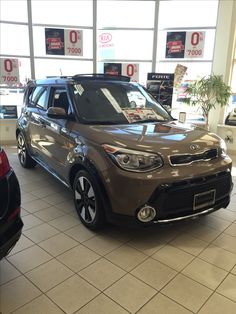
(31, 42)
(155, 33)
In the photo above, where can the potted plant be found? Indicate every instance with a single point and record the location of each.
(208, 92)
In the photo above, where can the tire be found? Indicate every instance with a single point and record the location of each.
(25, 160)
(88, 202)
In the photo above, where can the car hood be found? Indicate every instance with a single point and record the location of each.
(166, 138)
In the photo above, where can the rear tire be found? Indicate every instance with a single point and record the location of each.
(88, 202)
(25, 160)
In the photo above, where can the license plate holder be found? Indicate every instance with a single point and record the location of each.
(204, 199)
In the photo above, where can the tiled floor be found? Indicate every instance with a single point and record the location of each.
(59, 266)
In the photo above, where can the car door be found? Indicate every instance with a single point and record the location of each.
(34, 113)
(56, 133)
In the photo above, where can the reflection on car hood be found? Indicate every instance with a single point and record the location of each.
(172, 137)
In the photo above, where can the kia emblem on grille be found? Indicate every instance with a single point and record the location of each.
(194, 147)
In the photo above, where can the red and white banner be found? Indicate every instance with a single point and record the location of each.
(73, 42)
(194, 44)
(131, 70)
(9, 71)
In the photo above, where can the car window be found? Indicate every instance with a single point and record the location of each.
(59, 98)
(109, 102)
(42, 100)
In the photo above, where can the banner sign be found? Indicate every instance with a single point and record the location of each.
(65, 42)
(185, 44)
(131, 70)
(8, 112)
(180, 71)
(128, 69)
(9, 71)
(160, 85)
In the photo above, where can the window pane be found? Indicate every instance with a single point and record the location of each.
(126, 13)
(15, 11)
(194, 69)
(233, 82)
(127, 45)
(8, 42)
(144, 68)
(54, 67)
(39, 42)
(67, 12)
(187, 13)
(208, 44)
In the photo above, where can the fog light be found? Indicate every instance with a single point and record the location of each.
(146, 213)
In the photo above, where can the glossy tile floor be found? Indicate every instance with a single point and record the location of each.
(59, 266)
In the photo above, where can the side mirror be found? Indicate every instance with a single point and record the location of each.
(56, 113)
(182, 117)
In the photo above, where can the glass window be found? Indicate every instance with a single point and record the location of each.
(233, 82)
(39, 42)
(14, 10)
(127, 45)
(188, 13)
(194, 69)
(114, 103)
(208, 44)
(14, 39)
(63, 12)
(58, 67)
(126, 13)
(60, 98)
(42, 101)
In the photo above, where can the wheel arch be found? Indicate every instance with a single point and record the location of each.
(91, 169)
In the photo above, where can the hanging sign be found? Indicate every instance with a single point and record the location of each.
(9, 71)
(65, 42)
(131, 70)
(194, 45)
(128, 69)
(73, 42)
(185, 44)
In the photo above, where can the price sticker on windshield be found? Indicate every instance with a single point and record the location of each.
(73, 42)
(9, 69)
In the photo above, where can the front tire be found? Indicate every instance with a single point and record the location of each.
(88, 202)
(25, 160)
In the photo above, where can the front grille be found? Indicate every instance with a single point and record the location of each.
(175, 199)
(187, 159)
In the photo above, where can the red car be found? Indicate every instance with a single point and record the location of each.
(10, 200)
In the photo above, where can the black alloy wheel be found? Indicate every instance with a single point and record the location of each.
(25, 160)
(87, 200)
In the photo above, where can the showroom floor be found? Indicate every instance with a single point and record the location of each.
(59, 266)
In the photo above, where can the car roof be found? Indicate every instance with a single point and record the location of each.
(79, 78)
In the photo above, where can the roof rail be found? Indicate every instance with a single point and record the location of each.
(100, 76)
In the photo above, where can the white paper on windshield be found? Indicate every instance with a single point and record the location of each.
(133, 115)
(112, 100)
(79, 89)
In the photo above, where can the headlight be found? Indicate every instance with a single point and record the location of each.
(133, 160)
(223, 148)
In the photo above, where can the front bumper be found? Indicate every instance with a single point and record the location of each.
(175, 202)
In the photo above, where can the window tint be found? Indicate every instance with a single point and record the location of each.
(60, 98)
(38, 97)
(104, 102)
(42, 101)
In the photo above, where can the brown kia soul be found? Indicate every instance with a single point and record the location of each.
(120, 152)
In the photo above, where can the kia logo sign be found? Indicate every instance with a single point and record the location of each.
(105, 38)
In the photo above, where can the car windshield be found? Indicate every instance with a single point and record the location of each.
(100, 102)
